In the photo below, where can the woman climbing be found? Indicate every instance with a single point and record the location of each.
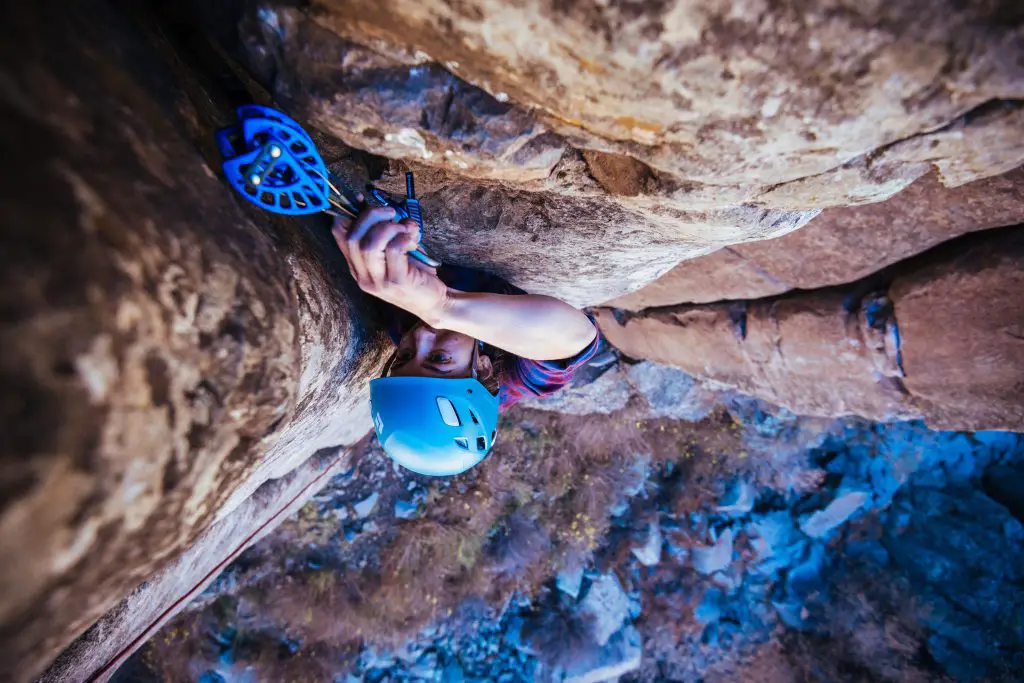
(468, 345)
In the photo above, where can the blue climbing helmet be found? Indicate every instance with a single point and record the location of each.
(434, 425)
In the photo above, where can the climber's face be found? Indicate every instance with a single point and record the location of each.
(426, 352)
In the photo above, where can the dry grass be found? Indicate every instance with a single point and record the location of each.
(539, 503)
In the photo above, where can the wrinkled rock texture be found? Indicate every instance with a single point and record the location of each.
(941, 341)
(166, 349)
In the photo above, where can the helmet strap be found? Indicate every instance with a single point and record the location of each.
(390, 361)
(476, 356)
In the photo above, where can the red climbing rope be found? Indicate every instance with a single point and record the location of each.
(126, 651)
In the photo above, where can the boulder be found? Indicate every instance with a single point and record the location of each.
(364, 507)
(738, 500)
(821, 523)
(406, 509)
(606, 606)
(715, 557)
(670, 393)
(841, 245)
(607, 394)
(648, 553)
(569, 580)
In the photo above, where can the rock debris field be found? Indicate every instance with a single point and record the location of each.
(748, 545)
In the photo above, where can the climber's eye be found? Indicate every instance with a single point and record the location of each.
(439, 358)
(403, 356)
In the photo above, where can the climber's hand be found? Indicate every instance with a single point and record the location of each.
(376, 250)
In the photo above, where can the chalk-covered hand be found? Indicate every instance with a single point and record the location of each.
(376, 249)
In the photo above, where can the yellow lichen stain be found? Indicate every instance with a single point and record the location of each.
(572, 122)
(592, 67)
(639, 131)
(630, 122)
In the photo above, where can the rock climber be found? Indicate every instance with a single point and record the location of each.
(468, 345)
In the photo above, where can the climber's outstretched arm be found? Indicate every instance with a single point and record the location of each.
(530, 325)
(527, 325)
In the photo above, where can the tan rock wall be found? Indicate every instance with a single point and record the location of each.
(738, 98)
(941, 342)
(840, 245)
(167, 349)
(644, 136)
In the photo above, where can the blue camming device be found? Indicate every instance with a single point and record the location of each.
(270, 160)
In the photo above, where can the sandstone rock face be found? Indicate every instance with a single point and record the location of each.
(112, 639)
(941, 342)
(808, 354)
(497, 186)
(732, 100)
(173, 355)
(841, 245)
(961, 321)
(635, 139)
(166, 349)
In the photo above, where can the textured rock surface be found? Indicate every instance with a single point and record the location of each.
(808, 354)
(840, 245)
(652, 390)
(496, 185)
(606, 605)
(112, 639)
(942, 342)
(669, 392)
(732, 97)
(961, 322)
(522, 171)
(608, 393)
(166, 350)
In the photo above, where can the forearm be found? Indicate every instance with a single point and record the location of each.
(527, 325)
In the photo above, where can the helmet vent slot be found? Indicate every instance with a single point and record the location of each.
(448, 413)
(472, 415)
(462, 442)
(481, 443)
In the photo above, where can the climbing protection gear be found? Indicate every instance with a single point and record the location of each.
(270, 160)
(434, 426)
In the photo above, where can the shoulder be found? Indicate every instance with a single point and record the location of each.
(525, 377)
